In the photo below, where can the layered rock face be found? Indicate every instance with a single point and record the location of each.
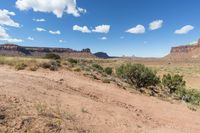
(187, 52)
(15, 50)
(185, 49)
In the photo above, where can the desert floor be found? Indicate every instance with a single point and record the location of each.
(65, 101)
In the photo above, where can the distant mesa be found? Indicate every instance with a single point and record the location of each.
(16, 50)
(191, 51)
(102, 55)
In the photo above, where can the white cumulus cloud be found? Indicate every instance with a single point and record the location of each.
(3, 33)
(4, 36)
(139, 29)
(102, 29)
(83, 29)
(184, 29)
(57, 7)
(55, 32)
(157, 24)
(39, 20)
(81, 10)
(40, 29)
(30, 38)
(5, 18)
(62, 41)
(12, 40)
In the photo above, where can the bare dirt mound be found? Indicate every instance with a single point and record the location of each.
(62, 102)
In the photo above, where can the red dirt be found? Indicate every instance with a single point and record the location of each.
(81, 104)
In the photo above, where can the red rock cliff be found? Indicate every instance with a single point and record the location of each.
(186, 48)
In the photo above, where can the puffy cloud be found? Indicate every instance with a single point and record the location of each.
(3, 33)
(139, 29)
(104, 38)
(5, 37)
(57, 7)
(40, 29)
(184, 29)
(55, 32)
(11, 40)
(39, 20)
(102, 29)
(30, 38)
(98, 29)
(83, 29)
(5, 18)
(82, 10)
(62, 41)
(157, 24)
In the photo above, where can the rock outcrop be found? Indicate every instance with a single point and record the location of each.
(16, 50)
(186, 48)
(186, 52)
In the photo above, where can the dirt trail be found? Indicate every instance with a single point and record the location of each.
(64, 101)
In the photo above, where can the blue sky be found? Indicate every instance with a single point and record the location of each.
(147, 28)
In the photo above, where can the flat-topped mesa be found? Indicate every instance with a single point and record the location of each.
(9, 47)
(44, 49)
(186, 48)
(57, 50)
(15, 50)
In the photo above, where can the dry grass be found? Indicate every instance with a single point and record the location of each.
(13, 61)
(190, 70)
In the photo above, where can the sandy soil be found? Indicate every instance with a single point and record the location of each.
(64, 101)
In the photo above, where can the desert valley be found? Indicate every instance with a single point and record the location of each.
(99, 66)
(55, 90)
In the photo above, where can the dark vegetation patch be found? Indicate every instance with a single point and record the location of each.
(52, 56)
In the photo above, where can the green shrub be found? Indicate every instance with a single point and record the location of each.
(97, 67)
(106, 80)
(108, 70)
(51, 65)
(58, 63)
(45, 65)
(173, 83)
(138, 75)
(52, 56)
(54, 66)
(77, 69)
(72, 61)
(33, 68)
(20, 66)
(191, 96)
